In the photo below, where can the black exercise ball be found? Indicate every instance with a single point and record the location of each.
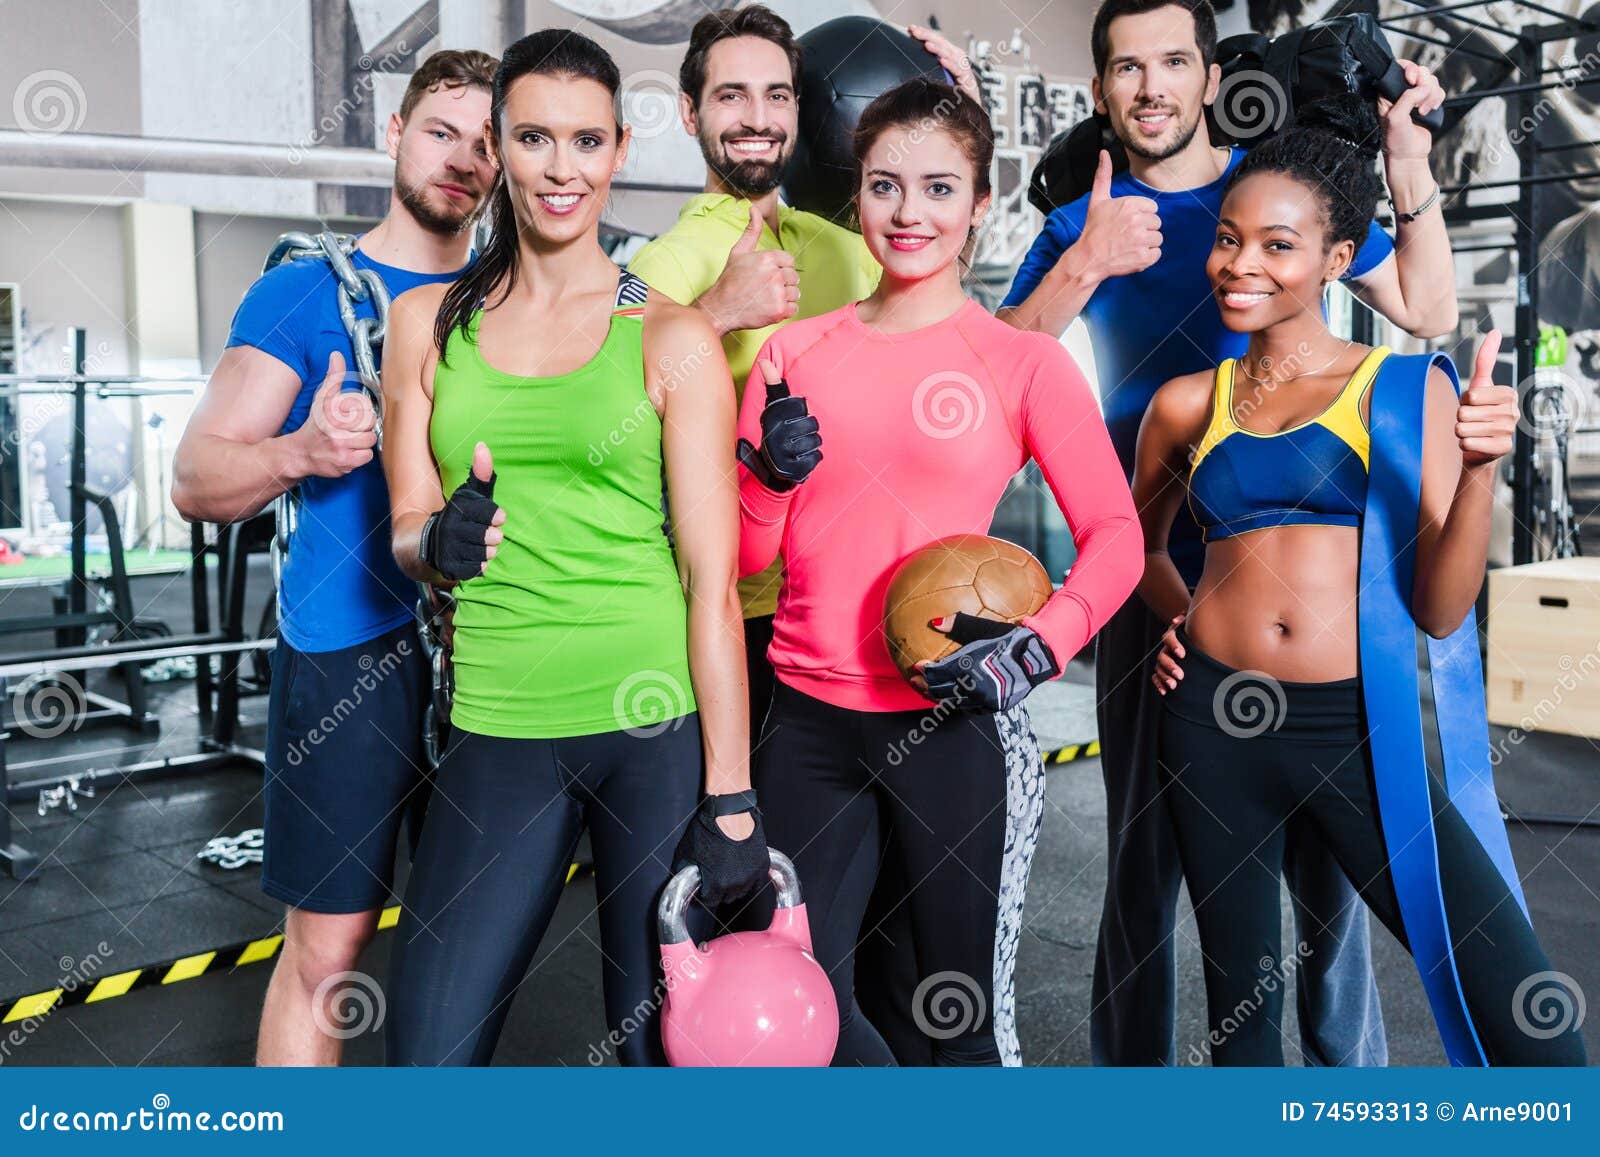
(848, 62)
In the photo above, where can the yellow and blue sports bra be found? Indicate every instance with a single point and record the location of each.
(1315, 472)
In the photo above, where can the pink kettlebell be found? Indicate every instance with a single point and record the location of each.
(747, 999)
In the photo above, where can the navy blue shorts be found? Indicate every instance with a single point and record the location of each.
(345, 770)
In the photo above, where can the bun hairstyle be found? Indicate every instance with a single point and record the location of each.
(1331, 147)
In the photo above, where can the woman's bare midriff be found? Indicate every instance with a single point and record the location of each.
(1282, 601)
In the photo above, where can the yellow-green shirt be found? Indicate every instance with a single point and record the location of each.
(835, 268)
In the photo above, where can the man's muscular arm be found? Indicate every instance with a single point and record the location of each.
(232, 462)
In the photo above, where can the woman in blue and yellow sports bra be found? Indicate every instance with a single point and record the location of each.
(1286, 457)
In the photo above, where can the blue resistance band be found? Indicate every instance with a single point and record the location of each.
(1393, 700)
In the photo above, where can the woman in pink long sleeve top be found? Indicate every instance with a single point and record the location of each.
(909, 412)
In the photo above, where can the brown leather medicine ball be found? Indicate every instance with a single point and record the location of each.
(966, 572)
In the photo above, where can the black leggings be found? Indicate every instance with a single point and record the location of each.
(834, 783)
(1239, 755)
(491, 865)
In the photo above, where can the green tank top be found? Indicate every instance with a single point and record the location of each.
(579, 625)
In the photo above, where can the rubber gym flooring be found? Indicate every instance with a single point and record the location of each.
(119, 882)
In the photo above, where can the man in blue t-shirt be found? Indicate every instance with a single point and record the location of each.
(345, 769)
(1130, 258)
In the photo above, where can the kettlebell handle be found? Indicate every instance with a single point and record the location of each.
(672, 923)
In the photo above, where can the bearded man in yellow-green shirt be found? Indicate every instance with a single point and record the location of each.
(748, 261)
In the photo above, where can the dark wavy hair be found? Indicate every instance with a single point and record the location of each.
(1205, 27)
(755, 20)
(1330, 147)
(550, 52)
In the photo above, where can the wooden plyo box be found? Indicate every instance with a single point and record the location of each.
(1544, 646)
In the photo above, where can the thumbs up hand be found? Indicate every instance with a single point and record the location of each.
(1486, 418)
(1120, 234)
(338, 436)
(791, 444)
(459, 540)
(756, 289)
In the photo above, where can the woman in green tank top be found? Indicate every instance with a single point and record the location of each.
(598, 651)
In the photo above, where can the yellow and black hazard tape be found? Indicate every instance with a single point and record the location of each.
(1073, 751)
(39, 1004)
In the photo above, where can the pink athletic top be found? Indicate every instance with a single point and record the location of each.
(921, 432)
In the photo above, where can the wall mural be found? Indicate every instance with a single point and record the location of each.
(1467, 50)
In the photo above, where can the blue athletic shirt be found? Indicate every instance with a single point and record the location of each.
(340, 585)
(1160, 323)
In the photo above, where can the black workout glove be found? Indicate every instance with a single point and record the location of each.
(791, 444)
(452, 538)
(996, 667)
(729, 869)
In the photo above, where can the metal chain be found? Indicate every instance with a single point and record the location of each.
(366, 344)
(234, 851)
(65, 794)
(435, 610)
